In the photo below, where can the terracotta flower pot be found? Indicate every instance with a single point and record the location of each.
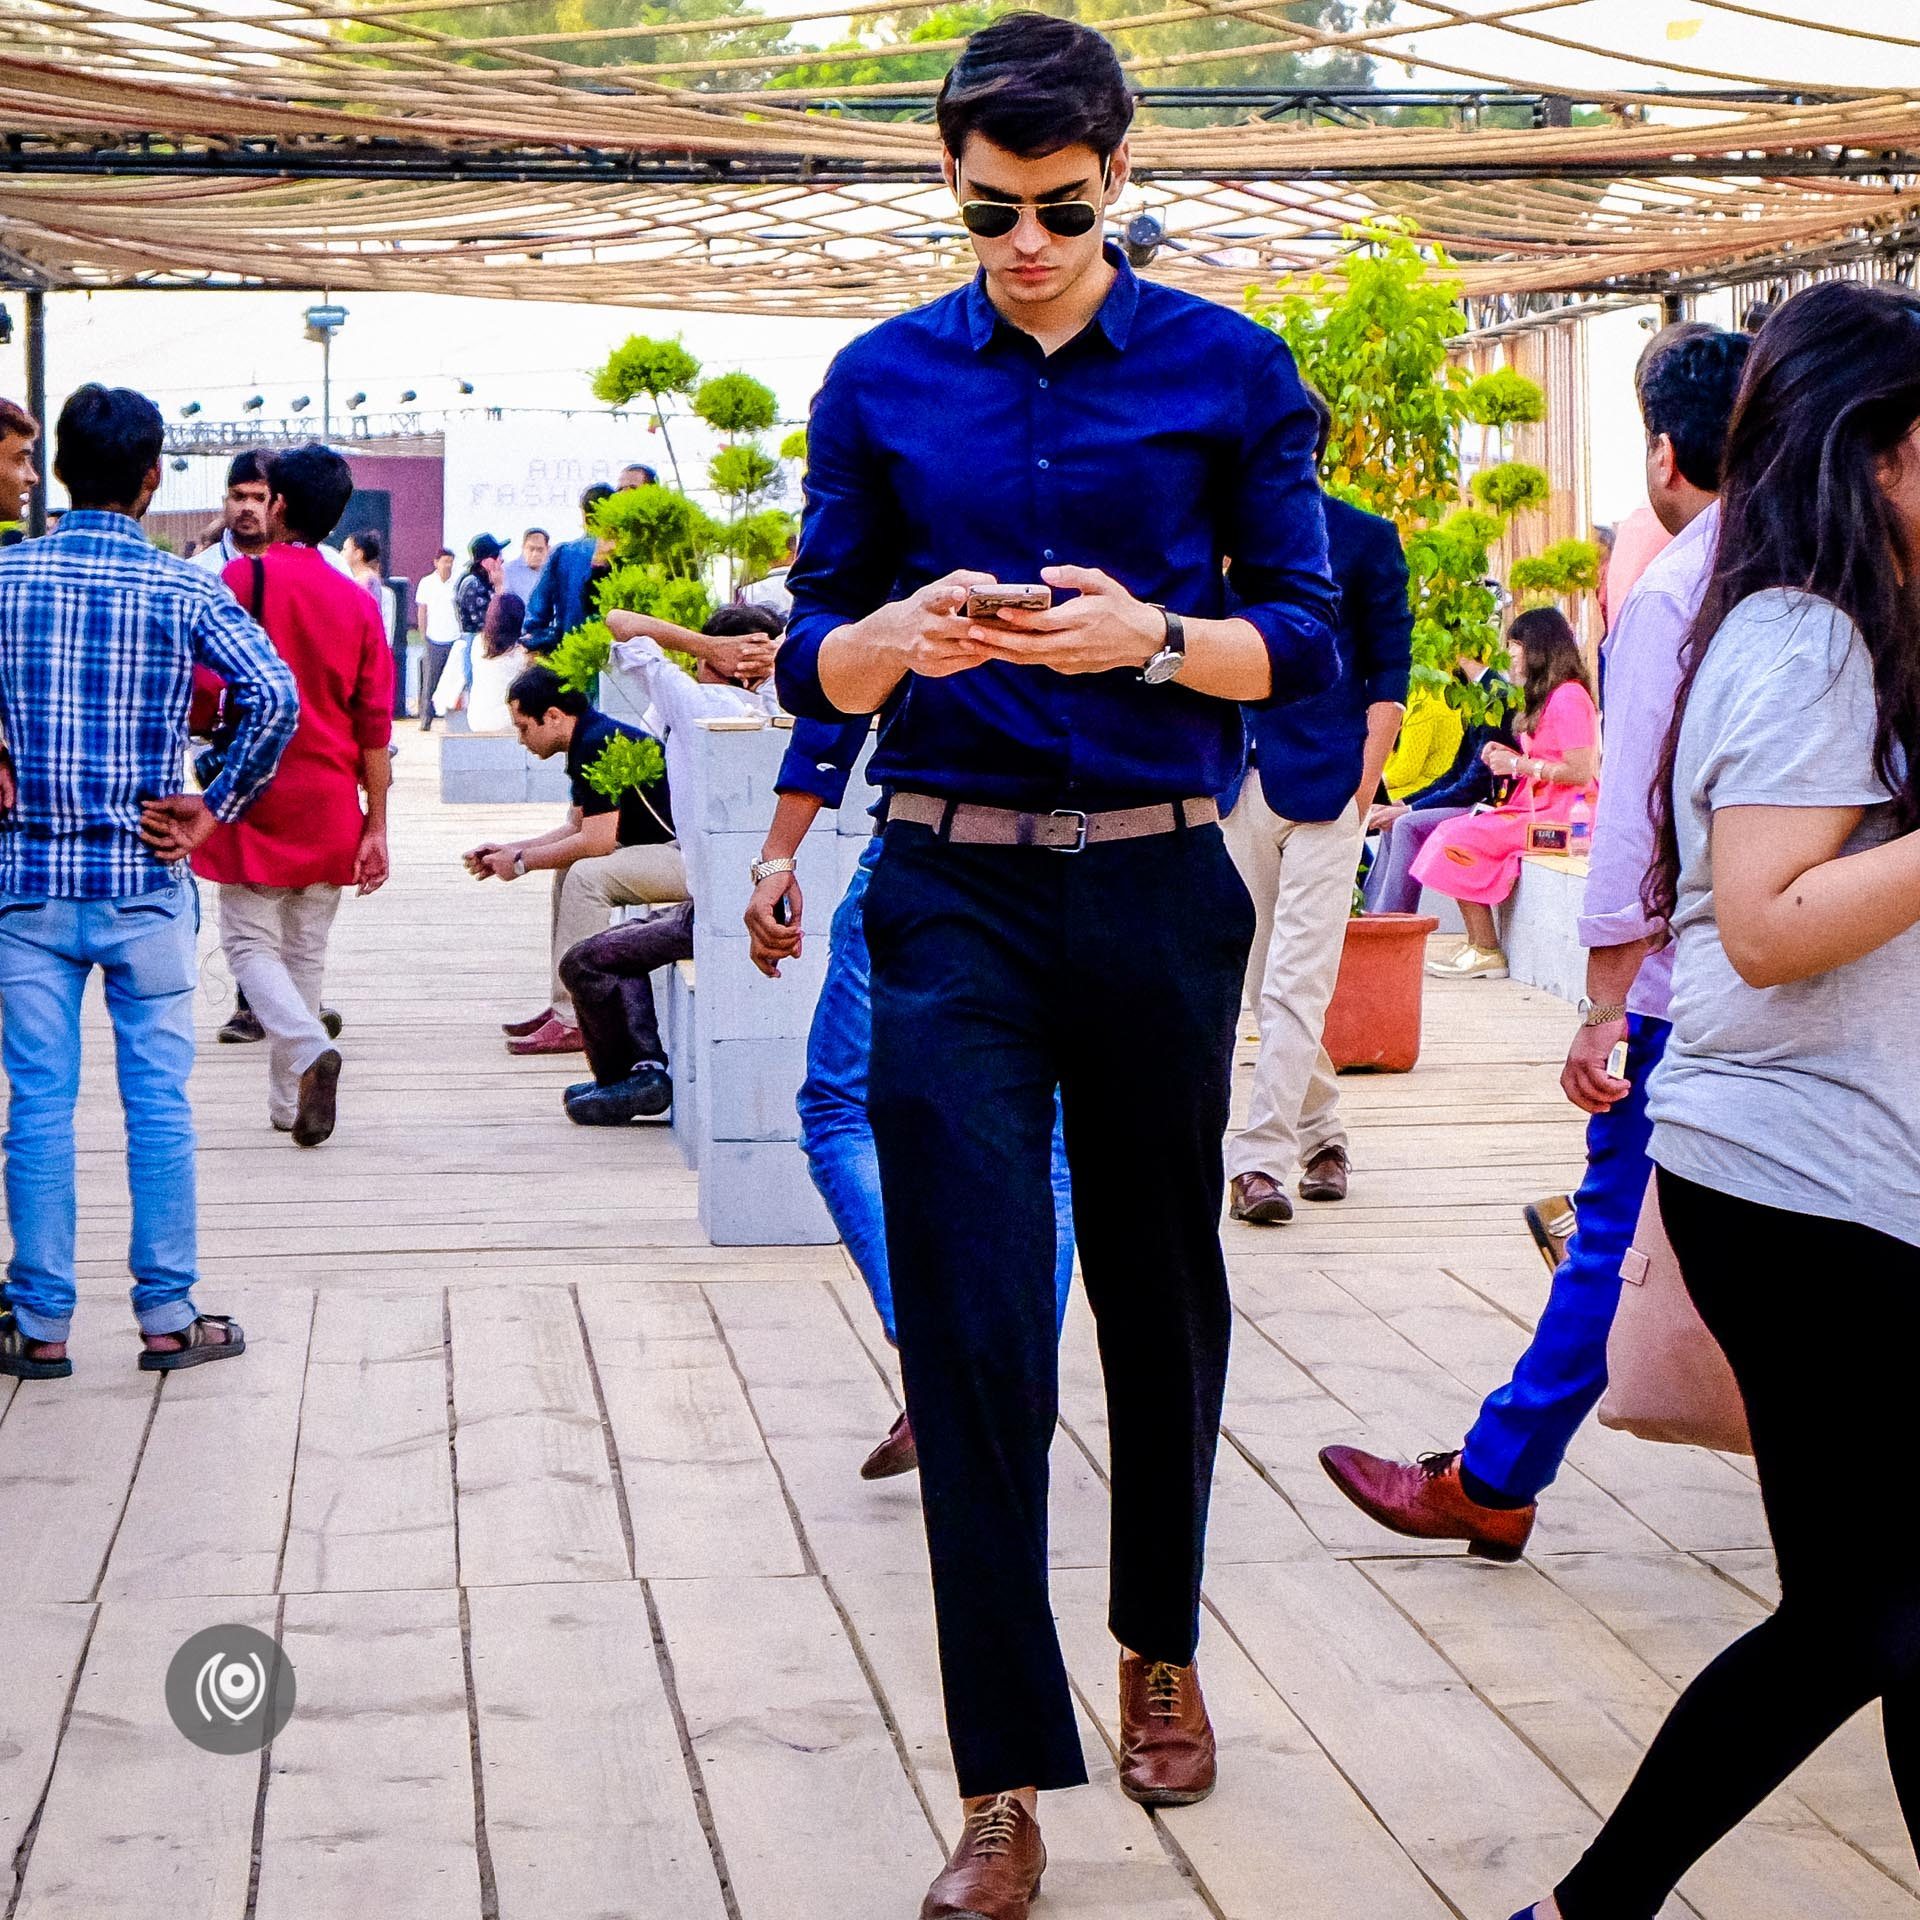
(1374, 1018)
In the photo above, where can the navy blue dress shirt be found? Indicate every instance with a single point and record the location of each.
(821, 757)
(563, 595)
(1168, 437)
(1308, 753)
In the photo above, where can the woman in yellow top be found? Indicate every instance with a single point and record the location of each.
(1430, 734)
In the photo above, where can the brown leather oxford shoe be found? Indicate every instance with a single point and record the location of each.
(896, 1454)
(1259, 1200)
(1324, 1177)
(1166, 1740)
(1427, 1502)
(995, 1870)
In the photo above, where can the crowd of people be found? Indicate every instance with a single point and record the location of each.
(1115, 814)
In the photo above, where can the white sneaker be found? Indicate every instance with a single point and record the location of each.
(1471, 963)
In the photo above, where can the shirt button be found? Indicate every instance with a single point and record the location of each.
(1047, 554)
(1043, 385)
(1043, 466)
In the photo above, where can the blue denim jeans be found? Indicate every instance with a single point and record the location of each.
(1526, 1426)
(144, 947)
(837, 1136)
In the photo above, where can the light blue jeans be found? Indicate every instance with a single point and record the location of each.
(144, 946)
(837, 1136)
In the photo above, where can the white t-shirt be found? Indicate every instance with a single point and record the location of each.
(487, 691)
(434, 597)
(1804, 1096)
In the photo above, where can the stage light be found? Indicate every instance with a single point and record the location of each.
(254, 405)
(466, 386)
(355, 401)
(190, 409)
(408, 398)
(1144, 236)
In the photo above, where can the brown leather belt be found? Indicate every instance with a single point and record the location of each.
(1063, 830)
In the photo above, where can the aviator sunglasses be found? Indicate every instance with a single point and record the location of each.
(1064, 219)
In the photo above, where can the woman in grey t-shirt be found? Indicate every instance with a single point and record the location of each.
(1787, 1114)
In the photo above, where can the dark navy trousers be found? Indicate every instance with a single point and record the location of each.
(1001, 974)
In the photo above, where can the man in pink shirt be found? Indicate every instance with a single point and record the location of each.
(1486, 1492)
(281, 870)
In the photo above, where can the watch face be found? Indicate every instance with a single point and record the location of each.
(1162, 667)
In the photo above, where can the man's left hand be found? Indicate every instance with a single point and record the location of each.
(748, 660)
(499, 863)
(175, 826)
(370, 862)
(1103, 627)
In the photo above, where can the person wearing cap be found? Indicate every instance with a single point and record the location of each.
(486, 567)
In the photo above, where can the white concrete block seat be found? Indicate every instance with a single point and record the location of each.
(494, 769)
(1539, 924)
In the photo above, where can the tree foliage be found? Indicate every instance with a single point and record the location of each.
(1374, 343)
(627, 761)
(736, 403)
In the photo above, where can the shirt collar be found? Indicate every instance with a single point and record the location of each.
(101, 520)
(1115, 318)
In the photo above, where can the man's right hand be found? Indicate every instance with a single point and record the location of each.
(771, 942)
(928, 631)
(176, 825)
(1585, 1079)
(747, 660)
(475, 860)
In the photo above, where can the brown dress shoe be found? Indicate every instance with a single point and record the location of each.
(519, 1029)
(1258, 1200)
(896, 1454)
(319, 1089)
(1166, 1739)
(1324, 1177)
(995, 1870)
(1427, 1501)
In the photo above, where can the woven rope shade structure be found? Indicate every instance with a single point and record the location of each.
(170, 142)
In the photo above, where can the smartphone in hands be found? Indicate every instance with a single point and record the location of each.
(983, 603)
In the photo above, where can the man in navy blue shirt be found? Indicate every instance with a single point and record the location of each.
(1294, 828)
(1054, 907)
(562, 597)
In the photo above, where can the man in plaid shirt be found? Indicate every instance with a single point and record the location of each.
(99, 635)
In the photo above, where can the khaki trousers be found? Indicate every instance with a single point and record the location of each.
(1301, 876)
(275, 942)
(586, 893)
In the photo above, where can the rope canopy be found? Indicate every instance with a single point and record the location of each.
(533, 148)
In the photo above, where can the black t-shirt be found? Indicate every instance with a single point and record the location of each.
(646, 813)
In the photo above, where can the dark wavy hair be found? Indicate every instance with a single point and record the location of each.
(1550, 657)
(1832, 387)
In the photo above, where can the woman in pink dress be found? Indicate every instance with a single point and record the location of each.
(1476, 858)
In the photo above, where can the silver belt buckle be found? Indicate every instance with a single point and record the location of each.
(1080, 840)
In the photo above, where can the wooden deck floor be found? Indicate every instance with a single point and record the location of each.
(555, 1507)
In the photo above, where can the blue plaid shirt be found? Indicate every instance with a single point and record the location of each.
(99, 634)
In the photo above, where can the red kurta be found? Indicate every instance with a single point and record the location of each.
(305, 829)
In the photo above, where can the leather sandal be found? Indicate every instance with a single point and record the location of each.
(196, 1348)
(16, 1357)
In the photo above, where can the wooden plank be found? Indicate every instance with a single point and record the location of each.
(139, 1821)
(237, 1420)
(814, 1811)
(68, 1449)
(535, 1491)
(702, 1494)
(370, 1809)
(44, 1642)
(1326, 1857)
(589, 1807)
(373, 1490)
(1482, 1817)
(1584, 1701)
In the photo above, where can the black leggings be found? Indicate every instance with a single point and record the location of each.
(1821, 1321)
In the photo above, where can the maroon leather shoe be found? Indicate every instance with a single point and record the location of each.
(553, 1036)
(1427, 1502)
(1259, 1200)
(1167, 1754)
(519, 1029)
(895, 1455)
(1324, 1177)
(996, 1869)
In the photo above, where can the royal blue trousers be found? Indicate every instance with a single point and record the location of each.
(1525, 1427)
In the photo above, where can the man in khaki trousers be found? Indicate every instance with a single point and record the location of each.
(1294, 830)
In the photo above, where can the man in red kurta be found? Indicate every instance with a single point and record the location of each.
(281, 870)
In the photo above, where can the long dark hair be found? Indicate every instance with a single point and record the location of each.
(506, 617)
(1549, 658)
(1832, 386)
